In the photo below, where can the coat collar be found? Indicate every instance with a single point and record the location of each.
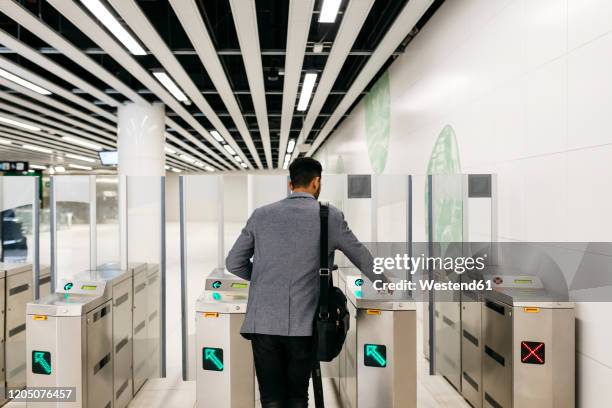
(301, 195)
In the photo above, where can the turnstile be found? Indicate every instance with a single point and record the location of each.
(224, 373)
(69, 344)
(119, 283)
(16, 292)
(377, 366)
(153, 323)
(140, 356)
(529, 346)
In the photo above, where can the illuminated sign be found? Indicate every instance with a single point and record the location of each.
(216, 296)
(359, 282)
(523, 281)
(216, 284)
(88, 287)
(240, 285)
(212, 359)
(41, 362)
(375, 355)
(533, 352)
(68, 286)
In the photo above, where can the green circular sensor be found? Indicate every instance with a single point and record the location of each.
(216, 296)
(68, 286)
(359, 282)
(216, 284)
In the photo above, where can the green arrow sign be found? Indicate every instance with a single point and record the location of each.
(41, 362)
(359, 282)
(216, 284)
(68, 286)
(213, 359)
(375, 355)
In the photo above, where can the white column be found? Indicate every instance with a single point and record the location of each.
(140, 144)
(141, 140)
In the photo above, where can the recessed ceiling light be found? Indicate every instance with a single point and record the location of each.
(187, 158)
(37, 167)
(329, 11)
(244, 165)
(78, 166)
(169, 150)
(208, 168)
(23, 82)
(19, 124)
(79, 157)
(82, 142)
(60, 169)
(307, 87)
(37, 148)
(199, 164)
(176, 170)
(217, 136)
(5, 142)
(291, 146)
(167, 167)
(229, 150)
(238, 159)
(169, 84)
(97, 9)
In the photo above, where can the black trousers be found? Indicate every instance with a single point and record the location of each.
(283, 365)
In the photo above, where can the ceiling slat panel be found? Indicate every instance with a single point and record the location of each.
(245, 21)
(300, 13)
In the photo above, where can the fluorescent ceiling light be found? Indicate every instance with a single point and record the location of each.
(244, 165)
(60, 169)
(329, 11)
(229, 150)
(238, 159)
(291, 146)
(176, 170)
(167, 167)
(82, 158)
(97, 9)
(169, 84)
(307, 87)
(37, 148)
(169, 150)
(5, 142)
(199, 164)
(23, 82)
(19, 124)
(187, 158)
(217, 136)
(82, 142)
(208, 168)
(78, 166)
(37, 167)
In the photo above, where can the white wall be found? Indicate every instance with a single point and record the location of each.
(526, 85)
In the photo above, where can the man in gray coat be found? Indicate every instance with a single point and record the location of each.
(278, 252)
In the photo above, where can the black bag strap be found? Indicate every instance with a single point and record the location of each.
(324, 270)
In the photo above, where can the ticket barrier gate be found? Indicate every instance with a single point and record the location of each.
(377, 366)
(119, 283)
(225, 373)
(529, 346)
(69, 344)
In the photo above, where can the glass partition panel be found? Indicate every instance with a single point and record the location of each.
(107, 220)
(391, 194)
(201, 231)
(333, 191)
(235, 208)
(266, 189)
(72, 225)
(17, 228)
(146, 246)
(45, 236)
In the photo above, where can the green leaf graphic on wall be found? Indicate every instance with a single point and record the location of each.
(377, 115)
(447, 205)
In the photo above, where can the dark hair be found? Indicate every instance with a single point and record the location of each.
(303, 169)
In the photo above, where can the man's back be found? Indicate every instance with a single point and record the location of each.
(283, 239)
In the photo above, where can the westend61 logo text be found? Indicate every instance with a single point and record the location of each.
(404, 262)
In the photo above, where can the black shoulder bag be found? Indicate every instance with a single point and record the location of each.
(332, 319)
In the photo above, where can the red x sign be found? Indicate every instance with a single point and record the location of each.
(533, 352)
